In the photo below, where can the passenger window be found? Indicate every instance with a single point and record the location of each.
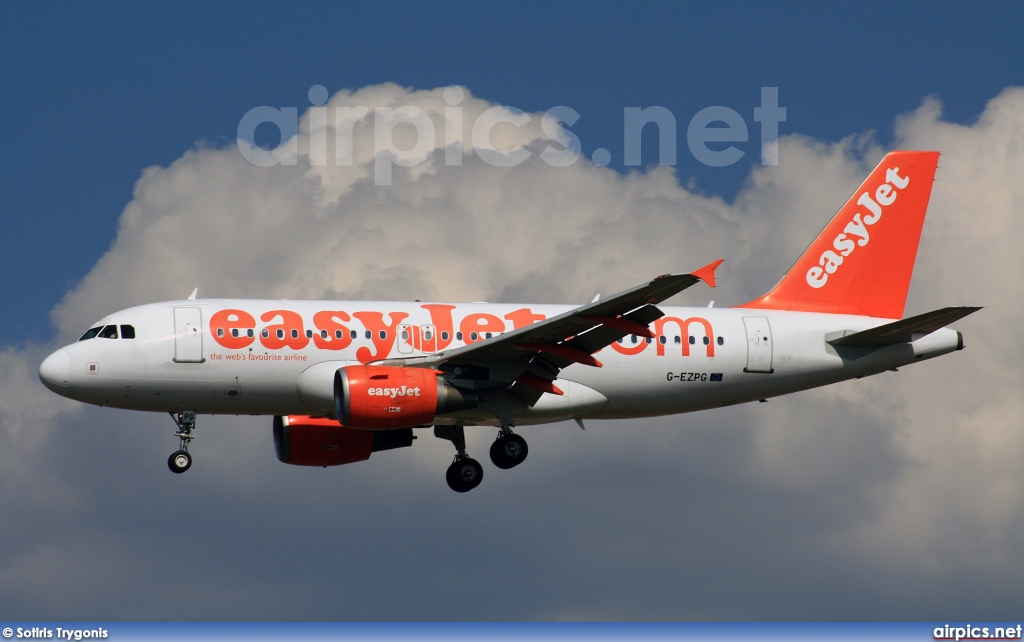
(693, 341)
(337, 334)
(487, 335)
(647, 340)
(234, 332)
(707, 341)
(295, 334)
(663, 339)
(405, 335)
(428, 335)
(633, 338)
(220, 332)
(280, 333)
(323, 334)
(369, 335)
(108, 332)
(249, 333)
(444, 335)
(309, 334)
(127, 332)
(352, 333)
(678, 340)
(383, 334)
(473, 336)
(721, 341)
(265, 334)
(458, 335)
(91, 332)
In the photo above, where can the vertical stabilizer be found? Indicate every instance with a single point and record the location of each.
(862, 261)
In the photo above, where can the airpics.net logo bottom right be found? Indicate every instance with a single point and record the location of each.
(977, 632)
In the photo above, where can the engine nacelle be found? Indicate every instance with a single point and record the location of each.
(388, 397)
(318, 441)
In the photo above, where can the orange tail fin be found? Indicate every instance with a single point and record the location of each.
(862, 261)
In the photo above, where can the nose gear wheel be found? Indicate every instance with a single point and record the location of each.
(179, 461)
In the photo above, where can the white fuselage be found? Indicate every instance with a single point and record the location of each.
(205, 356)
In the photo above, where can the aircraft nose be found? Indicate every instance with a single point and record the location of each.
(55, 371)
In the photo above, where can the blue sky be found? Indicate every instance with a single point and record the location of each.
(896, 497)
(96, 93)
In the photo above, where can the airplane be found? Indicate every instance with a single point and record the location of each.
(345, 379)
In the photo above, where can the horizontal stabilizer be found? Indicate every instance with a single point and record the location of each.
(904, 331)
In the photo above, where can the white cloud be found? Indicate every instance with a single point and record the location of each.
(915, 476)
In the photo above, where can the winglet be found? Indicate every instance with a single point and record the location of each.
(707, 273)
(192, 297)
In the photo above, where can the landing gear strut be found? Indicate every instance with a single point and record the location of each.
(509, 449)
(180, 460)
(465, 473)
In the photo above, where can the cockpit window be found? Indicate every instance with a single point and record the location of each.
(127, 332)
(108, 332)
(91, 333)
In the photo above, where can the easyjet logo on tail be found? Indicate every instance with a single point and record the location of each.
(856, 233)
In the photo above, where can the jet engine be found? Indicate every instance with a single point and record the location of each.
(388, 397)
(319, 441)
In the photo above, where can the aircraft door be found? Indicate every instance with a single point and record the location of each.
(759, 344)
(428, 339)
(188, 335)
(405, 339)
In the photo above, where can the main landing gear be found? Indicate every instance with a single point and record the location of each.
(509, 449)
(465, 473)
(180, 460)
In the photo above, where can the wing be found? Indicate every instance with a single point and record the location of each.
(530, 358)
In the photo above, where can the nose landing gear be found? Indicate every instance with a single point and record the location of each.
(180, 460)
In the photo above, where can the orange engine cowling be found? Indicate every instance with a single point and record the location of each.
(388, 397)
(319, 441)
